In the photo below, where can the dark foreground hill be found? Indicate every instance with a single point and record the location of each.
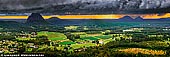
(36, 19)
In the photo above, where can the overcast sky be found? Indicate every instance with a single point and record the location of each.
(84, 4)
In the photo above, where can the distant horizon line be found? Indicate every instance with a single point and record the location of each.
(109, 16)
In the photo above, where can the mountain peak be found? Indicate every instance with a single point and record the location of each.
(138, 17)
(126, 18)
(54, 18)
(36, 18)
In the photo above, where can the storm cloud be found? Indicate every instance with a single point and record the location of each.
(82, 6)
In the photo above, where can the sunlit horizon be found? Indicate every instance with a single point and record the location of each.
(108, 16)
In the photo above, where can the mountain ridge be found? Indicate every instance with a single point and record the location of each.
(36, 18)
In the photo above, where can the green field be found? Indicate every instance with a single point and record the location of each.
(53, 36)
(79, 33)
(66, 43)
(76, 46)
(104, 37)
(24, 39)
(90, 38)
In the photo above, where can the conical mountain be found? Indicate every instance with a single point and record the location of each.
(139, 19)
(54, 19)
(36, 18)
(126, 19)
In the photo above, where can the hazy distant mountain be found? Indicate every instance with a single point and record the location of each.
(126, 19)
(56, 20)
(165, 19)
(139, 19)
(36, 18)
(157, 20)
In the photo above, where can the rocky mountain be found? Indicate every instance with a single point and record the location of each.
(36, 18)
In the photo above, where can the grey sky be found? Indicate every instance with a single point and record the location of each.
(85, 4)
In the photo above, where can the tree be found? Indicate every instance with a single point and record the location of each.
(77, 36)
(22, 49)
(42, 40)
(117, 39)
(6, 37)
(71, 36)
(113, 36)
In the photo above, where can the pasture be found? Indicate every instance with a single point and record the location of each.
(53, 36)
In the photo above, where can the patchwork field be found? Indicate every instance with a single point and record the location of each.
(53, 36)
(82, 42)
(89, 37)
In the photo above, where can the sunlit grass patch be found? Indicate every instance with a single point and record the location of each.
(23, 39)
(76, 46)
(104, 36)
(53, 36)
(143, 51)
(79, 33)
(66, 43)
(94, 34)
(90, 38)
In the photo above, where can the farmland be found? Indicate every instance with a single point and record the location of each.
(53, 36)
(94, 41)
(85, 40)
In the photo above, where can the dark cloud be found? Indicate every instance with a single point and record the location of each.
(26, 4)
(85, 6)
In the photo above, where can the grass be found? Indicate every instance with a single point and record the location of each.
(53, 36)
(143, 51)
(104, 37)
(82, 36)
(94, 34)
(66, 43)
(90, 38)
(42, 33)
(76, 46)
(54, 39)
(24, 39)
(29, 50)
(79, 33)
(107, 40)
